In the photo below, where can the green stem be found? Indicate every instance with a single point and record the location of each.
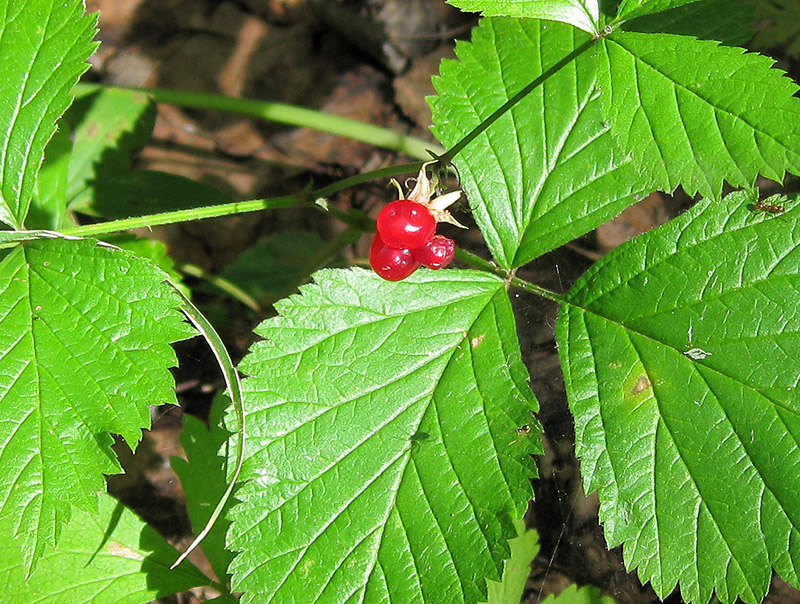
(234, 385)
(537, 289)
(480, 128)
(476, 261)
(240, 207)
(222, 284)
(151, 220)
(292, 115)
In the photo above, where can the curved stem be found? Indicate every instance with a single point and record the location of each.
(234, 385)
(235, 292)
(292, 115)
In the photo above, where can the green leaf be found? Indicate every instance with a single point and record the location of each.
(583, 14)
(524, 549)
(383, 457)
(49, 206)
(628, 9)
(108, 126)
(681, 359)
(142, 192)
(575, 595)
(44, 51)
(204, 480)
(693, 122)
(108, 556)
(547, 171)
(272, 266)
(155, 251)
(722, 20)
(84, 349)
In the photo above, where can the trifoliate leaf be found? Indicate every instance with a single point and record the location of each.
(693, 122)
(583, 14)
(547, 171)
(84, 349)
(102, 557)
(45, 44)
(681, 355)
(385, 456)
(155, 251)
(524, 549)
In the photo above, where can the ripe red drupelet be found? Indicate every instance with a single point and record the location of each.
(406, 224)
(437, 253)
(393, 264)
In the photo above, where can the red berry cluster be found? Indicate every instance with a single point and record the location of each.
(406, 239)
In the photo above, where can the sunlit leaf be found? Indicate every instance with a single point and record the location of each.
(548, 170)
(102, 557)
(584, 14)
(696, 123)
(45, 44)
(681, 355)
(84, 349)
(386, 454)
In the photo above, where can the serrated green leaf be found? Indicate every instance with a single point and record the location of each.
(578, 595)
(629, 9)
(722, 20)
(204, 480)
(103, 557)
(84, 349)
(383, 457)
(45, 44)
(108, 126)
(693, 122)
(547, 171)
(155, 251)
(681, 358)
(524, 548)
(779, 25)
(583, 14)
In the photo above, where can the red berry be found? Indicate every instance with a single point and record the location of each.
(406, 224)
(437, 253)
(393, 264)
